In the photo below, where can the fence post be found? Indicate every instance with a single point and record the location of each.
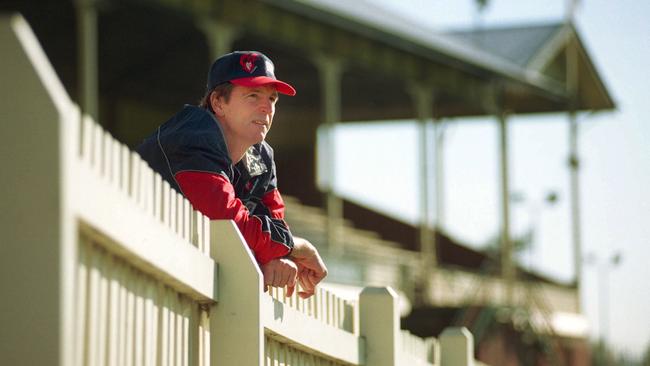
(379, 324)
(37, 251)
(457, 347)
(236, 329)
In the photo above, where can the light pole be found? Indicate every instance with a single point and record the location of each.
(603, 274)
(603, 268)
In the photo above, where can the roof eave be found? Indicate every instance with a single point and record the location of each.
(432, 46)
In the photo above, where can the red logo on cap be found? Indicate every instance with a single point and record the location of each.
(247, 62)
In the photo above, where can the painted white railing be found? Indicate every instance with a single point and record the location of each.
(104, 264)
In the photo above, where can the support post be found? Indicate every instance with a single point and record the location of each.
(87, 57)
(507, 265)
(38, 252)
(494, 105)
(439, 136)
(330, 70)
(574, 166)
(379, 324)
(456, 347)
(236, 319)
(219, 36)
(572, 79)
(423, 100)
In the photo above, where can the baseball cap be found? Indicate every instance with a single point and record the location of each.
(246, 68)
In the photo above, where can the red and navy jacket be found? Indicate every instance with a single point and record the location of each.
(189, 151)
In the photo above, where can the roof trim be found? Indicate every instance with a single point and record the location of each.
(420, 40)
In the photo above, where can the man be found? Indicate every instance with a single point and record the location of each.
(216, 156)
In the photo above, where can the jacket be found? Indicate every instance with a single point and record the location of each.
(190, 152)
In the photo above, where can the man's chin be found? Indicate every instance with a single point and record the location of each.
(259, 138)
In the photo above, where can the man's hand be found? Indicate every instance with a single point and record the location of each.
(280, 272)
(311, 268)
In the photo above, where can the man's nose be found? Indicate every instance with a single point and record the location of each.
(266, 106)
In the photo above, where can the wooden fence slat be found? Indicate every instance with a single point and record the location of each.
(187, 220)
(171, 329)
(196, 231)
(206, 237)
(166, 204)
(172, 210)
(144, 186)
(81, 304)
(134, 188)
(187, 316)
(158, 197)
(180, 215)
(125, 175)
(123, 299)
(96, 160)
(150, 324)
(86, 140)
(103, 307)
(107, 155)
(113, 314)
(193, 340)
(93, 310)
(116, 160)
(130, 319)
(139, 320)
(178, 334)
(164, 326)
(148, 188)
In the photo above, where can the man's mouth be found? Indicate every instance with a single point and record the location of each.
(261, 123)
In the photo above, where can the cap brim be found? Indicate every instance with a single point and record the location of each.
(280, 86)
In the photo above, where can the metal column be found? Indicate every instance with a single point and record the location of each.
(574, 162)
(507, 265)
(423, 100)
(330, 70)
(574, 166)
(219, 36)
(439, 136)
(87, 57)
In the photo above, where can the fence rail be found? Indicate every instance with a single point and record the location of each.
(105, 264)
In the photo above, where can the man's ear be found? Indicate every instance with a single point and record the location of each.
(216, 104)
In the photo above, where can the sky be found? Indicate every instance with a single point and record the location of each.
(614, 148)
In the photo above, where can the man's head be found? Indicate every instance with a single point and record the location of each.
(242, 92)
(245, 68)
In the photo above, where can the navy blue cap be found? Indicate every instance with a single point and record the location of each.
(246, 68)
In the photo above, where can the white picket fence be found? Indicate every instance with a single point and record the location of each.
(102, 263)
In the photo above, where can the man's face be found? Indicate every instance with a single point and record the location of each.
(248, 115)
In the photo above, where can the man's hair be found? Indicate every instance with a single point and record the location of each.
(222, 90)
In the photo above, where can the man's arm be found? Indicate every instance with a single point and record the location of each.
(214, 196)
(311, 268)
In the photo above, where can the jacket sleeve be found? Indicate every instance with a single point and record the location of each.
(272, 200)
(213, 194)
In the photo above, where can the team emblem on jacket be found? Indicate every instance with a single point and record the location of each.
(247, 62)
(253, 162)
